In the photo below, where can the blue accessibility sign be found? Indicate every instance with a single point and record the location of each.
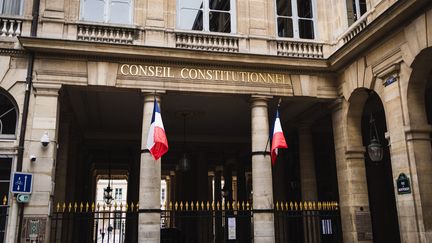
(22, 183)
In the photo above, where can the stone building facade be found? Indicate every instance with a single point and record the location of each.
(85, 73)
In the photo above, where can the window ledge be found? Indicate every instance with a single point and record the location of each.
(105, 25)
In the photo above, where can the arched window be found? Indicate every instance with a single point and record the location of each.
(8, 117)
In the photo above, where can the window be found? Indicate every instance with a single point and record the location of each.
(107, 11)
(118, 194)
(295, 19)
(206, 15)
(355, 9)
(8, 117)
(11, 7)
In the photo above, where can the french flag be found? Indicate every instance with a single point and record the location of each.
(278, 139)
(157, 142)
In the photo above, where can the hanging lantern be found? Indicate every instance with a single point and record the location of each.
(108, 194)
(184, 163)
(375, 149)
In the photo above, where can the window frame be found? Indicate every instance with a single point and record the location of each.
(295, 21)
(15, 106)
(206, 19)
(21, 10)
(107, 13)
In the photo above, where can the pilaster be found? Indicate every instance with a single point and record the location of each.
(351, 173)
(43, 118)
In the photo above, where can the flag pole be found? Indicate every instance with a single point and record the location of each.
(268, 140)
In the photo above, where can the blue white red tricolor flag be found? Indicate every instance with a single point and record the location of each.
(157, 142)
(278, 138)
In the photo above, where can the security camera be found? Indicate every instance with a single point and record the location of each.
(45, 139)
(32, 158)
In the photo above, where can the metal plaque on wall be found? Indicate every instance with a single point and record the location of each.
(363, 225)
(34, 229)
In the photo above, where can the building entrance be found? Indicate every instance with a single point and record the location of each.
(206, 185)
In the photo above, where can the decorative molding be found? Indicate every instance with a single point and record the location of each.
(300, 49)
(418, 133)
(107, 34)
(206, 42)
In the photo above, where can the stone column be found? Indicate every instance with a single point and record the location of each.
(43, 118)
(351, 174)
(261, 172)
(308, 182)
(150, 177)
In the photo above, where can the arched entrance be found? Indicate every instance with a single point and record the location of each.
(382, 202)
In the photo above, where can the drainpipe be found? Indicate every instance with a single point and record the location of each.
(29, 81)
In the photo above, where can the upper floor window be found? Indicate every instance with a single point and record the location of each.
(118, 194)
(295, 19)
(107, 11)
(8, 117)
(355, 9)
(206, 15)
(11, 7)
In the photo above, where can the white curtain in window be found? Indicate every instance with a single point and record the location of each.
(120, 11)
(93, 10)
(11, 7)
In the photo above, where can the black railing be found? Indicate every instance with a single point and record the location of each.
(3, 219)
(195, 222)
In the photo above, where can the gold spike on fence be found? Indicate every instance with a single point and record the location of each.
(5, 199)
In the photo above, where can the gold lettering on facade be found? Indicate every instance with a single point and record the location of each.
(202, 74)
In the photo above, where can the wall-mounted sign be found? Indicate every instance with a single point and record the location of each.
(403, 184)
(231, 228)
(22, 183)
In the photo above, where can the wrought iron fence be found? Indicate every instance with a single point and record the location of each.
(4, 209)
(196, 222)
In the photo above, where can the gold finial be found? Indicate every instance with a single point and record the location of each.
(227, 205)
(75, 206)
(70, 207)
(4, 200)
(277, 206)
(187, 206)
(126, 206)
(81, 207)
(115, 205)
(87, 207)
(218, 205)
(58, 207)
(238, 205)
(202, 205)
(314, 205)
(64, 207)
(176, 206)
(213, 205)
(208, 206)
(300, 206)
(291, 206)
(181, 206)
(247, 205)
(170, 205)
(137, 206)
(121, 206)
(233, 205)
(337, 205)
(243, 205)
